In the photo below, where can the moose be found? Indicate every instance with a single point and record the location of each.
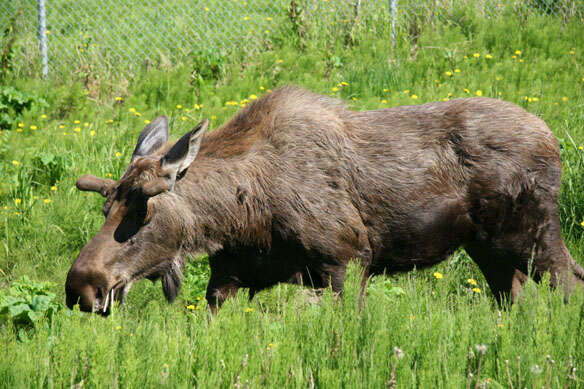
(296, 185)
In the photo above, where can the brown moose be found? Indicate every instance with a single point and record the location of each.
(296, 185)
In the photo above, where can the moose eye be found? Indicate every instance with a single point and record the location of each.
(132, 240)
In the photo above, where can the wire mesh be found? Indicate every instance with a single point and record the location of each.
(121, 35)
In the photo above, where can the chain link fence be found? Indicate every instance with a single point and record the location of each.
(122, 35)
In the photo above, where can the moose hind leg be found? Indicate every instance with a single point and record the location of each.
(505, 281)
(551, 255)
(517, 219)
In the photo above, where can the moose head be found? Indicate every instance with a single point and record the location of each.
(141, 235)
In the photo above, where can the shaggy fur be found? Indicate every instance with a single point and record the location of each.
(295, 185)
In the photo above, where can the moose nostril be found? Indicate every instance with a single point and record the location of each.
(79, 291)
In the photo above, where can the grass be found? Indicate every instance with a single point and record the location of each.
(283, 338)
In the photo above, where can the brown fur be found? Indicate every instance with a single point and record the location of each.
(295, 185)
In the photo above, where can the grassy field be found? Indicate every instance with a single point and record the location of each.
(431, 328)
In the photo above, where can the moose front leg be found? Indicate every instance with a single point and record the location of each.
(218, 291)
(223, 282)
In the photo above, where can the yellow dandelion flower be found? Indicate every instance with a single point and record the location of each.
(415, 97)
(17, 201)
(335, 89)
(269, 19)
(252, 97)
(514, 57)
(207, 9)
(471, 281)
(572, 52)
(191, 307)
(138, 114)
(22, 124)
(246, 18)
(213, 117)
(517, 52)
(354, 99)
(92, 133)
(385, 90)
(479, 92)
(15, 163)
(248, 309)
(521, 61)
(449, 73)
(198, 298)
(118, 328)
(183, 118)
(476, 290)
(262, 88)
(437, 275)
(54, 188)
(535, 99)
(457, 70)
(76, 121)
(33, 127)
(383, 101)
(280, 60)
(47, 201)
(43, 116)
(344, 83)
(109, 121)
(582, 224)
(61, 126)
(77, 129)
(118, 154)
(178, 106)
(132, 110)
(146, 121)
(86, 124)
(118, 98)
(476, 55)
(488, 56)
(564, 99)
(19, 130)
(407, 91)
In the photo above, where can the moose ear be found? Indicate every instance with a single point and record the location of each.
(152, 137)
(184, 152)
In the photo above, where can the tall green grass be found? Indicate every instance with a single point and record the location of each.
(284, 337)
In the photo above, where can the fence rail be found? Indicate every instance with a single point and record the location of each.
(121, 35)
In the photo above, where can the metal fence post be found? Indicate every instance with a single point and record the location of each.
(43, 36)
(393, 11)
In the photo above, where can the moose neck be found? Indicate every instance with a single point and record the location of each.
(225, 205)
